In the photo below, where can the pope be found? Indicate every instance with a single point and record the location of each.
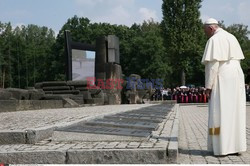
(225, 88)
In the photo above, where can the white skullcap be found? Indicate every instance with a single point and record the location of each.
(211, 21)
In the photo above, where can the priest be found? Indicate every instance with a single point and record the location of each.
(225, 88)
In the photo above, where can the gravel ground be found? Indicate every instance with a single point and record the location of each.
(50, 117)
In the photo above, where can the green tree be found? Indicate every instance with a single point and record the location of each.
(24, 54)
(184, 38)
(147, 52)
(6, 55)
(241, 32)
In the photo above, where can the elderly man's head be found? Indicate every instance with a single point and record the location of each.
(210, 26)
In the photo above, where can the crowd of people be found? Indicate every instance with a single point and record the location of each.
(247, 92)
(182, 94)
(185, 94)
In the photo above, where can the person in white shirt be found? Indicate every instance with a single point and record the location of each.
(225, 88)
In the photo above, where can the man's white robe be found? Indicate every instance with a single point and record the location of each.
(227, 105)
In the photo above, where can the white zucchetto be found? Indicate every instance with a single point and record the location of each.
(211, 21)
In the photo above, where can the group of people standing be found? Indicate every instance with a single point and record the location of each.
(182, 95)
(187, 95)
(247, 92)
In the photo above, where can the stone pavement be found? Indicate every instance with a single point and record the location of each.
(193, 138)
(161, 147)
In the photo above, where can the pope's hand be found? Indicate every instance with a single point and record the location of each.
(208, 93)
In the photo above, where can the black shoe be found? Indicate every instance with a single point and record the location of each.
(235, 154)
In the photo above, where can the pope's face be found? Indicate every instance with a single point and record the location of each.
(208, 31)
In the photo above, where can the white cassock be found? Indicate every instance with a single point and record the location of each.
(227, 105)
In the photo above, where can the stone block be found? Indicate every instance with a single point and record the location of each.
(101, 52)
(53, 88)
(5, 95)
(111, 55)
(100, 75)
(113, 98)
(86, 95)
(34, 136)
(69, 103)
(39, 85)
(24, 105)
(36, 94)
(77, 83)
(129, 156)
(66, 92)
(54, 83)
(135, 125)
(113, 71)
(90, 137)
(34, 157)
(12, 137)
(113, 49)
(100, 68)
(19, 94)
(98, 101)
(133, 98)
(8, 105)
(96, 93)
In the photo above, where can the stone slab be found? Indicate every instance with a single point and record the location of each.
(150, 113)
(12, 137)
(142, 156)
(34, 136)
(173, 145)
(135, 118)
(93, 137)
(144, 115)
(23, 105)
(33, 157)
(105, 130)
(8, 105)
(123, 124)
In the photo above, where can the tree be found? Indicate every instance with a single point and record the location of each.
(147, 53)
(183, 37)
(241, 32)
(24, 54)
(6, 55)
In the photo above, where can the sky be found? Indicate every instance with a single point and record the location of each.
(54, 13)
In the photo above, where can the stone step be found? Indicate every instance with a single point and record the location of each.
(54, 83)
(54, 88)
(63, 92)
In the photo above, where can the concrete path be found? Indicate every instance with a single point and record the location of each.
(193, 138)
(161, 147)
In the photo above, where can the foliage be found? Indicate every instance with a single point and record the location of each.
(184, 38)
(24, 54)
(241, 32)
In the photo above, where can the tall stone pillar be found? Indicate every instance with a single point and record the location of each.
(107, 67)
(101, 58)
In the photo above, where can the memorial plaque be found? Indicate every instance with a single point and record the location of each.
(144, 115)
(135, 124)
(123, 124)
(135, 118)
(82, 128)
(148, 112)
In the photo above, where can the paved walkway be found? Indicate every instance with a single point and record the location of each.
(193, 139)
(33, 119)
(160, 148)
